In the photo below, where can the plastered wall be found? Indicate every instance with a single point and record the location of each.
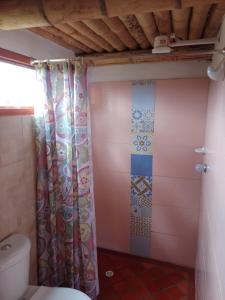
(17, 181)
(180, 109)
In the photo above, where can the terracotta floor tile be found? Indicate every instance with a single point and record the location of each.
(184, 274)
(168, 270)
(142, 279)
(163, 296)
(153, 285)
(109, 294)
(127, 273)
(177, 277)
(147, 265)
(127, 286)
(132, 296)
(156, 273)
(174, 293)
(165, 282)
(183, 286)
(115, 279)
(141, 294)
(121, 287)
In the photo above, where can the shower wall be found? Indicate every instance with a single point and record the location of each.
(180, 108)
(210, 275)
(110, 116)
(210, 283)
(17, 182)
(179, 128)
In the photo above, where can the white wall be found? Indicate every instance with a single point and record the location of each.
(210, 279)
(156, 70)
(30, 44)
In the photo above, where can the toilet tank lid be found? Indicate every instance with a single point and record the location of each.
(13, 249)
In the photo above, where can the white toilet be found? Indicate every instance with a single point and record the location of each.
(14, 271)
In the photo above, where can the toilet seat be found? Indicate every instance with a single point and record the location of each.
(53, 293)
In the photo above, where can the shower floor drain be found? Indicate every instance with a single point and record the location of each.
(109, 274)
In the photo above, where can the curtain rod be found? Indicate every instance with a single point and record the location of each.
(57, 60)
(127, 54)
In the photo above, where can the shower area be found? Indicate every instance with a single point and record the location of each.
(147, 192)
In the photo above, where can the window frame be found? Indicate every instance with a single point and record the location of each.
(11, 57)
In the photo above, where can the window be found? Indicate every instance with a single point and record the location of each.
(18, 86)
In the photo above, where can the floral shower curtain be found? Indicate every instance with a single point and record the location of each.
(65, 204)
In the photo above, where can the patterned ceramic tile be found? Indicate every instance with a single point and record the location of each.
(140, 226)
(141, 185)
(141, 165)
(141, 196)
(144, 211)
(142, 128)
(142, 120)
(142, 143)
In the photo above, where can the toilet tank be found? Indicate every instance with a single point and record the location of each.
(14, 266)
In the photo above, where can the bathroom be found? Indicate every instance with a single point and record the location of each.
(153, 155)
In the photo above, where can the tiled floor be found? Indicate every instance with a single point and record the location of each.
(142, 279)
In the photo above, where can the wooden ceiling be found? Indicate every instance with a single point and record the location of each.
(124, 30)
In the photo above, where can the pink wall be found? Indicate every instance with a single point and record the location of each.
(179, 127)
(111, 106)
(211, 260)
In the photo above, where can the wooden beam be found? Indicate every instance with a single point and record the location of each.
(103, 30)
(16, 111)
(129, 7)
(180, 18)
(163, 22)
(86, 31)
(68, 39)
(147, 23)
(135, 30)
(191, 3)
(20, 14)
(52, 37)
(26, 13)
(78, 37)
(215, 20)
(121, 31)
(141, 54)
(198, 20)
(15, 58)
(138, 60)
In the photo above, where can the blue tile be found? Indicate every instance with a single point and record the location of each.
(143, 95)
(141, 165)
(140, 246)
